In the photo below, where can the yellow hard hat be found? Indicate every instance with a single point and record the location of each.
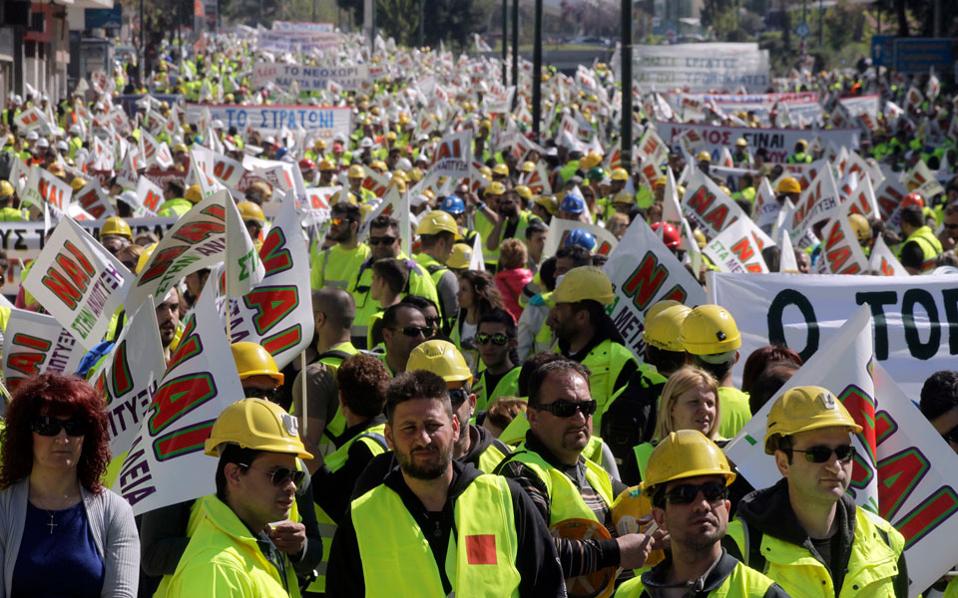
(660, 181)
(699, 237)
(485, 124)
(391, 136)
(485, 171)
(6, 190)
(144, 257)
(319, 144)
(356, 171)
(256, 424)
(180, 148)
(620, 174)
(684, 454)
(416, 174)
(528, 166)
(460, 258)
(663, 329)
(379, 165)
(495, 188)
(399, 174)
(741, 142)
(703, 156)
(250, 211)
(441, 358)
(710, 330)
(78, 183)
(117, 226)
(500, 169)
(524, 192)
(624, 197)
(863, 230)
(660, 306)
(252, 359)
(582, 283)
(805, 408)
(57, 170)
(802, 144)
(589, 160)
(326, 165)
(549, 202)
(436, 222)
(789, 184)
(194, 194)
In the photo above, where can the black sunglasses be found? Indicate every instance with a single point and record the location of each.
(414, 331)
(498, 338)
(281, 475)
(382, 240)
(563, 408)
(821, 454)
(686, 493)
(259, 393)
(458, 396)
(45, 425)
(951, 435)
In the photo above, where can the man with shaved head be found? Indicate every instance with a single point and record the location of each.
(333, 314)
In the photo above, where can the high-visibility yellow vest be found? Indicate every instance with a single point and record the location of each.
(398, 561)
(375, 440)
(336, 266)
(742, 582)
(564, 496)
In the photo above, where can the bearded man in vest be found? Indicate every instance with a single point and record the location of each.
(436, 527)
(562, 483)
(687, 479)
(806, 532)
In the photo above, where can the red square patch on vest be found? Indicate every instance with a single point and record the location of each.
(481, 549)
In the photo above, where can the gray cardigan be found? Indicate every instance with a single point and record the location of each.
(112, 525)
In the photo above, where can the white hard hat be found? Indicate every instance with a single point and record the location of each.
(43, 143)
(32, 136)
(366, 143)
(218, 124)
(62, 146)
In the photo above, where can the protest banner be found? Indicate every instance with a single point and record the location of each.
(165, 463)
(43, 187)
(819, 201)
(453, 156)
(78, 282)
(36, 343)
(149, 197)
(244, 268)
(643, 271)
(702, 67)
(902, 470)
(128, 377)
(311, 78)
(278, 312)
(840, 251)
(297, 26)
(711, 210)
(916, 318)
(883, 262)
(859, 105)
(197, 240)
(299, 41)
(779, 143)
(30, 120)
(227, 170)
(737, 248)
(560, 228)
(94, 201)
(323, 122)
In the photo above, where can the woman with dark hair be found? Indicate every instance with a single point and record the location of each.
(478, 295)
(60, 528)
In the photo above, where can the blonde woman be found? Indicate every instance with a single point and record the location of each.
(689, 401)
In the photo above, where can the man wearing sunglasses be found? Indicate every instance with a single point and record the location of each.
(338, 265)
(385, 242)
(687, 480)
(496, 341)
(404, 327)
(241, 542)
(805, 532)
(949, 227)
(435, 526)
(562, 483)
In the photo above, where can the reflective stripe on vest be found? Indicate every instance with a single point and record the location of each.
(605, 361)
(482, 548)
(564, 497)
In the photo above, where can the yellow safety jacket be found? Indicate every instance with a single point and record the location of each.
(930, 247)
(484, 227)
(224, 559)
(564, 497)
(419, 284)
(397, 559)
(605, 362)
(734, 411)
(508, 386)
(374, 438)
(741, 582)
(336, 266)
(872, 565)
